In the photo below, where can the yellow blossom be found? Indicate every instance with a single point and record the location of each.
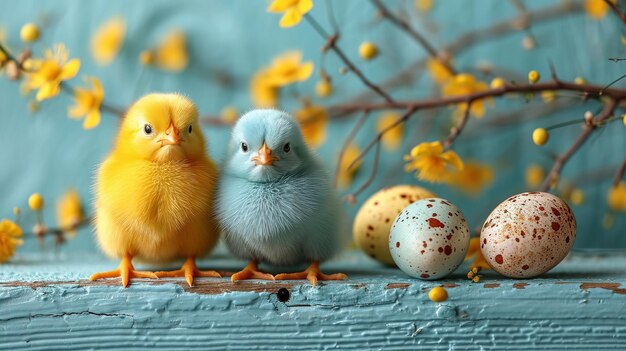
(597, 9)
(324, 87)
(29, 33)
(466, 84)
(35, 202)
(70, 211)
(577, 197)
(473, 178)
(540, 136)
(313, 121)
(438, 71)
(285, 69)
(548, 95)
(424, 5)
(10, 234)
(344, 178)
(293, 10)
(535, 174)
(473, 251)
(617, 197)
(107, 40)
(87, 103)
(229, 114)
(49, 72)
(171, 54)
(533, 76)
(393, 137)
(431, 163)
(368, 50)
(580, 80)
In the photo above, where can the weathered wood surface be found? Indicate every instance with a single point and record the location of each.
(48, 304)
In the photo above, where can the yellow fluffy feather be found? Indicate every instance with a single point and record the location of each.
(154, 192)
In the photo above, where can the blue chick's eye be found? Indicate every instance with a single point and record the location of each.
(287, 147)
(244, 147)
(190, 128)
(147, 129)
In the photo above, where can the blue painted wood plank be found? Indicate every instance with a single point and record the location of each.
(580, 305)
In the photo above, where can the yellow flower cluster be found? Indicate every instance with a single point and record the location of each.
(47, 73)
(169, 55)
(466, 84)
(10, 234)
(293, 10)
(107, 40)
(617, 197)
(597, 9)
(431, 163)
(284, 70)
(313, 121)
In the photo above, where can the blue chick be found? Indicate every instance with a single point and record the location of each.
(275, 202)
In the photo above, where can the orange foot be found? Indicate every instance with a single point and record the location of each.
(189, 271)
(312, 274)
(125, 271)
(251, 271)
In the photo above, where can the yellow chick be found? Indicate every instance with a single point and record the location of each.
(154, 192)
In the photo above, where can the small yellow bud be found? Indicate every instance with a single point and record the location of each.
(548, 95)
(577, 197)
(497, 83)
(146, 58)
(438, 294)
(624, 119)
(323, 88)
(533, 76)
(475, 270)
(16, 211)
(368, 50)
(35, 202)
(229, 114)
(476, 279)
(540, 136)
(470, 275)
(29, 33)
(580, 80)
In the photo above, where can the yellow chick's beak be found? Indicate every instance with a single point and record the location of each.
(264, 158)
(172, 136)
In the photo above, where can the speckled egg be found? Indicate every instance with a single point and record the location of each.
(429, 239)
(528, 234)
(373, 221)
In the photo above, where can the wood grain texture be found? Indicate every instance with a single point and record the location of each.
(580, 305)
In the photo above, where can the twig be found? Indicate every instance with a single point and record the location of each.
(410, 111)
(456, 130)
(347, 142)
(58, 232)
(372, 176)
(619, 175)
(469, 39)
(588, 128)
(616, 10)
(586, 91)
(406, 27)
(331, 44)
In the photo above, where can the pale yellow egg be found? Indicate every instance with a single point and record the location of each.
(373, 221)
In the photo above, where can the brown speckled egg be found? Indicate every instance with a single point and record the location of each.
(375, 217)
(528, 234)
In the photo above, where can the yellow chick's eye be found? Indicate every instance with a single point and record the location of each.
(190, 128)
(147, 129)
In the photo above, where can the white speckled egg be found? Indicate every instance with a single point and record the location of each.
(429, 239)
(373, 221)
(528, 234)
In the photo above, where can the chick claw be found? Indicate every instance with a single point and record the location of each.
(312, 274)
(189, 270)
(251, 271)
(126, 271)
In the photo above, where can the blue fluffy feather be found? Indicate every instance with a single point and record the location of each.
(282, 214)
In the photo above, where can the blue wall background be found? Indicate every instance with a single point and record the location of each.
(46, 152)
